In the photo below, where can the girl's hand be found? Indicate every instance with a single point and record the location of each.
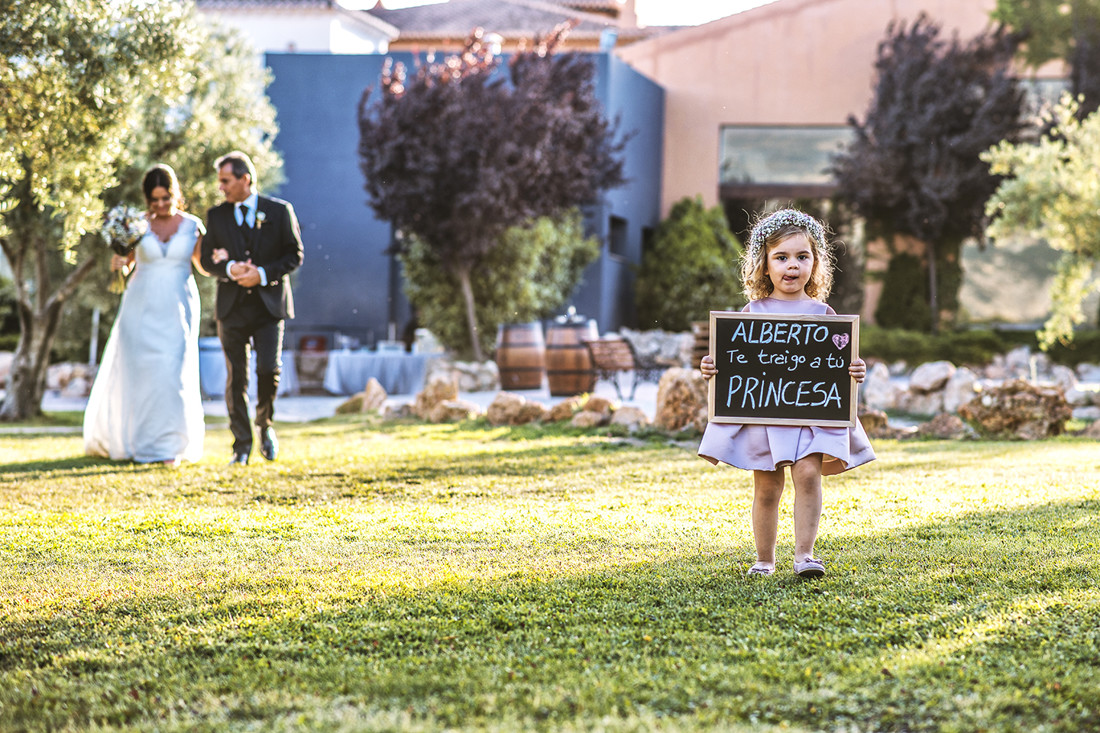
(118, 262)
(706, 366)
(858, 370)
(219, 255)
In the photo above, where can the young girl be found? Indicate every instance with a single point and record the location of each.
(787, 271)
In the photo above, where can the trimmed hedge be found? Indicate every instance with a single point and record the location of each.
(975, 347)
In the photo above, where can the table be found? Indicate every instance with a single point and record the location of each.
(397, 371)
(212, 371)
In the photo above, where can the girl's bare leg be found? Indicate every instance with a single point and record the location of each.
(767, 491)
(806, 474)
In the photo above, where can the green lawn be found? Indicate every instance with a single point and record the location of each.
(412, 577)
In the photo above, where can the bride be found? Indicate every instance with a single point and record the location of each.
(145, 404)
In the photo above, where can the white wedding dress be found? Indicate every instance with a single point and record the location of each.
(145, 404)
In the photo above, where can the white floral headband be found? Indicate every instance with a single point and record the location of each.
(772, 223)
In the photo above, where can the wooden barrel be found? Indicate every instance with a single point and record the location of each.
(521, 355)
(569, 368)
(700, 330)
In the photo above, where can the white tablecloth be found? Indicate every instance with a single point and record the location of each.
(212, 371)
(397, 372)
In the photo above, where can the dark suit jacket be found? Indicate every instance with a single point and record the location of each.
(275, 244)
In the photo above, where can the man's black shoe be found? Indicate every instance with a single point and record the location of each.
(269, 444)
(241, 458)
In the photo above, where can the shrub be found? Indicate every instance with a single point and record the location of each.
(974, 347)
(690, 268)
(529, 276)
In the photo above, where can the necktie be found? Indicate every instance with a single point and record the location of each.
(244, 217)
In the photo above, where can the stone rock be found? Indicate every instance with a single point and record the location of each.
(513, 409)
(1064, 377)
(944, 426)
(996, 370)
(58, 375)
(1081, 397)
(931, 376)
(532, 412)
(1086, 372)
(1018, 410)
(1092, 431)
(680, 395)
(565, 409)
(874, 422)
(1017, 363)
(920, 403)
(6, 358)
(602, 405)
(899, 368)
(437, 389)
(504, 408)
(633, 418)
(699, 423)
(398, 412)
(78, 386)
(1090, 413)
(879, 392)
(960, 389)
(351, 406)
(453, 411)
(475, 376)
(589, 419)
(374, 395)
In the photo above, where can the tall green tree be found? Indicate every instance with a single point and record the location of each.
(455, 154)
(221, 106)
(90, 95)
(528, 276)
(689, 268)
(1060, 29)
(914, 166)
(1049, 191)
(70, 78)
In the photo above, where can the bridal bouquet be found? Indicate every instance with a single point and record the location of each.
(122, 230)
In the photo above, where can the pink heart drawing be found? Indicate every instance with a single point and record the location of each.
(840, 339)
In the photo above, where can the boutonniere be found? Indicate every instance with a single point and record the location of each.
(261, 217)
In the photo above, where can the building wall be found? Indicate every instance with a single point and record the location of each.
(348, 284)
(302, 30)
(793, 62)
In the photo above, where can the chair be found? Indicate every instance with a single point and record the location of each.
(612, 357)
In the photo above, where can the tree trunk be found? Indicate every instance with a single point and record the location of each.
(30, 244)
(933, 288)
(471, 315)
(27, 381)
(38, 323)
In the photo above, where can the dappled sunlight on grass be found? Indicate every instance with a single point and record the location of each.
(469, 576)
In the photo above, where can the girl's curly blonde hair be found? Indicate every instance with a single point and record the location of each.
(772, 229)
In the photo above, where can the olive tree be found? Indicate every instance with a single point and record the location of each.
(70, 81)
(1049, 191)
(90, 94)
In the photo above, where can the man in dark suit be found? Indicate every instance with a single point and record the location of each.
(252, 244)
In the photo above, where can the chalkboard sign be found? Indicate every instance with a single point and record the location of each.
(783, 370)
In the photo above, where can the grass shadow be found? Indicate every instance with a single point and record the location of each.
(943, 625)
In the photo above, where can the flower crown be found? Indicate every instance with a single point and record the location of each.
(772, 223)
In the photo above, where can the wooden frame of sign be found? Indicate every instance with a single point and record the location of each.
(783, 370)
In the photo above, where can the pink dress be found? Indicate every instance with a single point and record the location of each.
(768, 447)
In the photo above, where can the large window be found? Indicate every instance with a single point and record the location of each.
(783, 158)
